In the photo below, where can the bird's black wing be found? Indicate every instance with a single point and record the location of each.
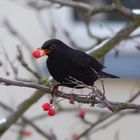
(85, 61)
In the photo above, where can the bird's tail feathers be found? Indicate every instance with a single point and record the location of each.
(107, 75)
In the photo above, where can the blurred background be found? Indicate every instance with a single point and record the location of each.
(28, 24)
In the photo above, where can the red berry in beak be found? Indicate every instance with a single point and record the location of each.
(36, 53)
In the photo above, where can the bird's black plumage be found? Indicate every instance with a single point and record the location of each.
(66, 64)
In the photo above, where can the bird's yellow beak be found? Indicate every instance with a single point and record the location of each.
(40, 52)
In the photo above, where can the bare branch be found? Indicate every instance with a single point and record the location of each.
(117, 2)
(79, 98)
(11, 119)
(8, 60)
(114, 120)
(103, 119)
(95, 10)
(24, 84)
(15, 33)
(27, 103)
(73, 4)
(102, 49)
(25, 65)
(29, 122)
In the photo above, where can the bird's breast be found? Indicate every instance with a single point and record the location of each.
(59, 67)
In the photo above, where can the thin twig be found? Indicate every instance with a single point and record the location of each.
(29, 122)
(92, 10)
(102, 49)
(9, 60)
(25, 65)
(15, 33)
(105, 118)
(120, 116)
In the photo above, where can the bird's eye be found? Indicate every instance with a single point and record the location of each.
(52, 46)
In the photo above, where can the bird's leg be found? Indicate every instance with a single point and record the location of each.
(54, 89)
(92, 95)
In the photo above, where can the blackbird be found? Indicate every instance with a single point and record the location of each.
(71, 67)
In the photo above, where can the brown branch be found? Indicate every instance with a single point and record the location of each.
(107, 45)
(114, 120)
(107, 117)
(93, 125)
(117, 2)
(95, 10)
(27, 103)
(79, 98)
(12, 118)
(9, 61)
(25, 65)
(18, 36)
(29, 122)
(73, 4)
(101, 50)
(15, 33)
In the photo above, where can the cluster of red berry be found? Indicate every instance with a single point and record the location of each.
(51, 111)
(48, 107)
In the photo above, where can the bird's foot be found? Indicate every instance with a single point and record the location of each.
(93, 102)
(93, 97)
(54, 89)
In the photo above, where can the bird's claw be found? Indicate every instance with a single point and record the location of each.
(54, 89)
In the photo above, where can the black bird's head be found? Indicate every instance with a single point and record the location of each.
(49, 47)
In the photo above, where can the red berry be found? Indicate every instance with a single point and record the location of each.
(71, 101)
(74, 136)
(1, 64)
(46, 106)
(36, 53)
(82, 113)
(51, 112)
(27, 133)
